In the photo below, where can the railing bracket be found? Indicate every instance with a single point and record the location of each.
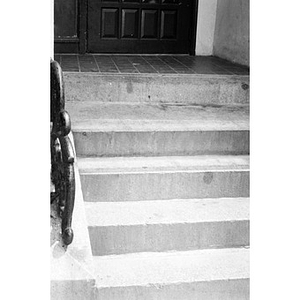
(62, 155)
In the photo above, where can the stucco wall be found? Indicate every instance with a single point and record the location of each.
(231, 34)
(206, 26)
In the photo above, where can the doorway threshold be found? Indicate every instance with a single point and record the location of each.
(148, 64)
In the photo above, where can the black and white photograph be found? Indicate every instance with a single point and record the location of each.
(150, 150)
(172, 122)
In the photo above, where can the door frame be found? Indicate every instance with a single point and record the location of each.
(83, 19)
(80, 45)
(193, 26)
(76, 44)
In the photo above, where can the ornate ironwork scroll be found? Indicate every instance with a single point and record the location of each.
(62, 154)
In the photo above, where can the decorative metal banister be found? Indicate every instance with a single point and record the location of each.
(62, 154)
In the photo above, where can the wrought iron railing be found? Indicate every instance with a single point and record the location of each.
(62, 155)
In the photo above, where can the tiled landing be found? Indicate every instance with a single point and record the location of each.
(145, 64)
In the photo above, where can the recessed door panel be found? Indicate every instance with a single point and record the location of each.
(109, 24)
(139, 26)
(150, 1)
(130, 23)
(168, 24)
(149, 25)
(170, 1)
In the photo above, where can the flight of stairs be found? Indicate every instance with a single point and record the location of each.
(165, 185)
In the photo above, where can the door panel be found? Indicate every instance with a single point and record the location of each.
(139, 26)
(149, 23)
(129, 23)
(110, 23)
(168, 24)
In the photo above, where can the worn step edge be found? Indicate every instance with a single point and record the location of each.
(107, 165)
(141, 186)
(111, 240)
(166, 212)
(212, 89)
(144, 269)
(161, 143)
(164, 178)
(168, 225)
(232, 289)
(109, 130)
(115, 117)
(110, 125)
(155, 75)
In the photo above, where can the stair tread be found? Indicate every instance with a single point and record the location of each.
(97, 116)
(139, 269)
(94, 165)
(166, 212)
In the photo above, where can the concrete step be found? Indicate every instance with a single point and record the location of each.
(188, 275)
(175, 177)
(72, 268)
(149, 226)
(157, 88)
(102, 129)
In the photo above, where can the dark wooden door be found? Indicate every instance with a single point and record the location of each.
(139, 26)
(66, 26)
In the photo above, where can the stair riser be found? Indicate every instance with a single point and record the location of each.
(153, 186)
(237, 289)
(166, 237)
(205, 89)
(73, 290)
(161, 143)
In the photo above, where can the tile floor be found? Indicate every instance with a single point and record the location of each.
(160, 64)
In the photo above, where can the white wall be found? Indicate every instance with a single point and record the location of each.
(231, 38)
(223, 29)
(206, 26)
